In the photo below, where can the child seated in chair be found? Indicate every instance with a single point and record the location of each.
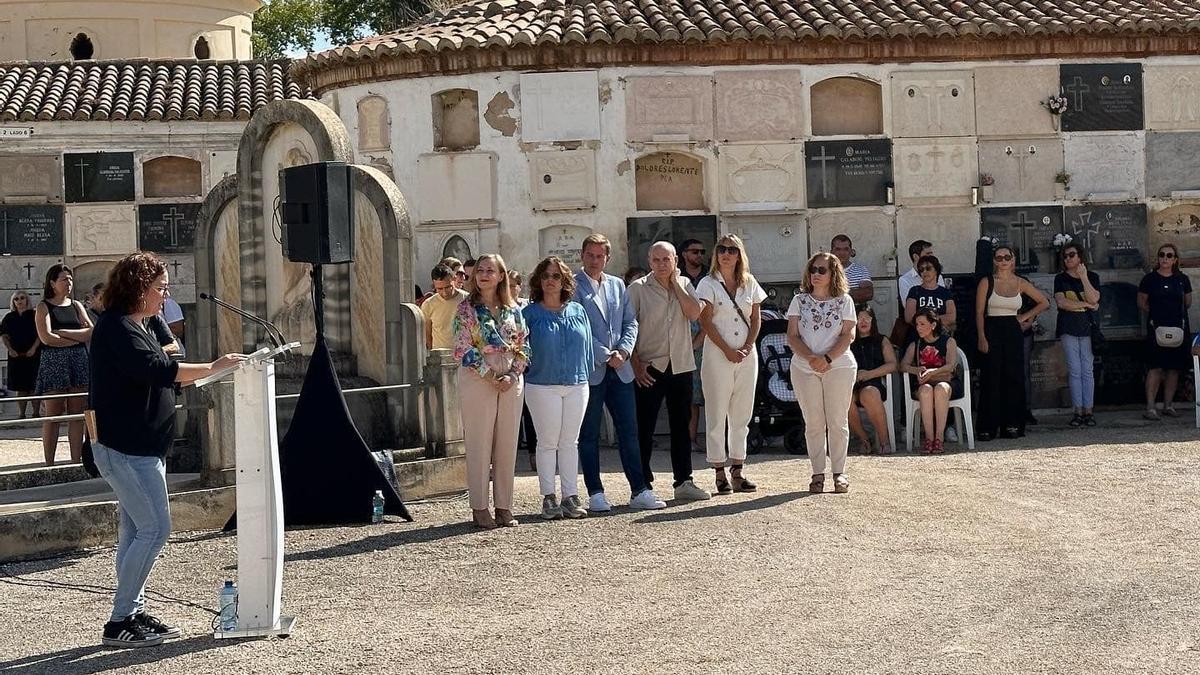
(876, 362)
(932, 365)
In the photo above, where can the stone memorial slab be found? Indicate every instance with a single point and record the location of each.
(886, 306)
(456, 119)
(562, 179)
(762, 177)
(221, 163)
(181, 271)
(669, 105)
(1047, 322)
(30, 176)
(1172, 97)
(759, 105)
(1108, 167)
(459, 186)
(1048, 375)
(1172, 163)
(933, 103)
(1008, 100)
(374, 124)
(31, 230)
(848, 173)
(1029, 230)
(1179, 225)
(642, 232)
(1114, 236)
(1120, 373)
(98, 177)
(777, 245)
(952, 231)
(1102, 96)
(1024, 169)
(168, 228)
(101, 230)
(873, 232)
(849, 106)
(935, 171)
(24, 272)
(563, 241)
(172, 177)
(1120, 318)
(669, 181)
(560, 106)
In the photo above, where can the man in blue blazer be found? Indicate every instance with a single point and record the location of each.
(614, 333)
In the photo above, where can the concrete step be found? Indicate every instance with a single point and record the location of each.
(37, 475)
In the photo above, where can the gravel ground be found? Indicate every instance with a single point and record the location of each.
(1075, 556)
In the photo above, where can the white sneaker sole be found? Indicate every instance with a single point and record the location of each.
(130, 644)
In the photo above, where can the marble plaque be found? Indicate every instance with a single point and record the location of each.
(459, 186)
(642, 232)
(886, 307)
(563, 241)
(98, 176)
(1179, 225)
(562, 179)
(560, 106)
(849, 106)
(1048, 373)
(181, 271)
(31, 230)
(1172, 163)
(30, 176)
(933, 103)
(1024, 169)
(759, 105)
(1029, 230)
(374, 124)
(24, 272)
(777, 245)
(873, 232)
(952, 231)
(1172, 97)
(848, 173)
(935, 171)
(1102, 96)
(669, 105)
(1108, 167)
(1047, 321)
(1008, 100)
(456, 119)
(1114, 236)
(221, 163)
(669, 181)
(168, 228)
(762, 177)
(101, 230)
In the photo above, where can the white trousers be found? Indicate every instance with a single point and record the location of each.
(557, 412)
(825, 402)
(728, 397)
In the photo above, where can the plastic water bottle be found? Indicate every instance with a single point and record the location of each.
(227, 601)
(377, 507)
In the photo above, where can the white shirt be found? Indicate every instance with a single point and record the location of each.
(913, 278)
(732, 329)
(821, 324)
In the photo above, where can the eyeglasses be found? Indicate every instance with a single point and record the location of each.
(818, 269)
(1166, 254)
(1003, 258)
(164, 289)
(699, 251)
(1071, 254)
(721, 250)
(555, 276)
(925, 268)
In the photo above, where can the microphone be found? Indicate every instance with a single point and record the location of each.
(273, 332)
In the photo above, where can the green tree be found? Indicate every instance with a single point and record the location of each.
(283, 25)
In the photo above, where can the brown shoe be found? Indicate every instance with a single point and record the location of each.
(504, 518)
(841, 484)
(482, 518)
(817, 486)
(739, 483)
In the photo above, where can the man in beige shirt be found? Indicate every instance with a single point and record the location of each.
(439, 309)
(663, 362)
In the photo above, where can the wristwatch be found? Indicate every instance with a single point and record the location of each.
(828, 360)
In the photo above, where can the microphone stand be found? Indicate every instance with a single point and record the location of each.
(273, 332)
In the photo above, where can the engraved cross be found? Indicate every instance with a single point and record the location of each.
(172, 218)
(1078, 88)
(82, 176)
(823, 158)
(1023, 228)
(5, 219)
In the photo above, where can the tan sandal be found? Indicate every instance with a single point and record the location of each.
(482, 518)
(817, 485)
(504, 518)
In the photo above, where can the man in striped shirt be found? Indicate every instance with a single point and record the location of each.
(861, 287)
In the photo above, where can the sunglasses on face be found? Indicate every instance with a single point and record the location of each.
(1071, 254)
(1166, 254)
(818, 269)
(554, 276)
(925, 268)
(1003, 258)
(727, 249)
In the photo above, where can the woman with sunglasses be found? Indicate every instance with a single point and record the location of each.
(1164, 294)
(1077, 295)
(1000, 322)
(730, 301)
(929, 294)
(19, 332)
(821, 323)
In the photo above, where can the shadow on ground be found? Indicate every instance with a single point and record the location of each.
(99, 659)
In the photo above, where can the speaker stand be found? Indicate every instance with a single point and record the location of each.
(318, 283)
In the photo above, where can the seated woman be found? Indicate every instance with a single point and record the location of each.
(876, 361)
(932, 364)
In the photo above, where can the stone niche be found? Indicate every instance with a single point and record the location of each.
(935, 170)
(563, 241)
(1105, 167)
(457, 186)
(1179, 225)
(669, 181)
(456, 119)
(762, 177)
(872, 230)
(1102, 96)
(1008, 100)
(560, 106)
(26, 273)
(952, 231)
(759, 105)
(172, 177)
(933, 103)
(1030, 231)
(221, 163)
(777, 245)
(846, 106)
(375, 125)
(1024, 168)
(1172, 163)
(672, 106)
(642, 232)
(1113, 236)
(101, 230)
(1172, 97)
(30, 178)
(562, 179)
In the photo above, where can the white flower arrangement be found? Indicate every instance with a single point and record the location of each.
(1056, 104)
(992, 240)
(1062, 239)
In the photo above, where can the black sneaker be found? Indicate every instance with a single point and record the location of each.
(128, 633)
(154, 626)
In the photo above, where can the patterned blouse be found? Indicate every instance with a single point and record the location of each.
(478, 334)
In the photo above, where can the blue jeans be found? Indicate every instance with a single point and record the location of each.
(141, 487)
(1079, 370)
(619, 397)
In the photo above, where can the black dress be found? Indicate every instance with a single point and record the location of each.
(62, 368)
(22, 334)
(868, 352)
(934, 355)
(1166, 297)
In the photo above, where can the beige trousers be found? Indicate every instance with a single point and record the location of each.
(825, 402)
(491, 421)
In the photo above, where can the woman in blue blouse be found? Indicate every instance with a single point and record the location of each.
(557, 382)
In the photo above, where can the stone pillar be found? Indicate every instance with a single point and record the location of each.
(443, 415)
(406, 403)
(210, 423)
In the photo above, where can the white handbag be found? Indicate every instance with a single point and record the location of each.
(1168, 336)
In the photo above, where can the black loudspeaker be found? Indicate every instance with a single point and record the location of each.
(317, 213)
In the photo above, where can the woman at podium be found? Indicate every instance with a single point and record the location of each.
(131, 421)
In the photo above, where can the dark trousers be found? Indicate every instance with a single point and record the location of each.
(677, 390)
(528, 432)
(1002, 402)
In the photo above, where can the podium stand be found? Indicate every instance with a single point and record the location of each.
(259, 496)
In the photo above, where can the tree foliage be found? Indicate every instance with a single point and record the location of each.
(283, 25)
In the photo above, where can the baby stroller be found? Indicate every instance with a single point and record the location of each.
(776, 412)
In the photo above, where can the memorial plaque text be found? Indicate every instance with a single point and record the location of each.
(848, 173)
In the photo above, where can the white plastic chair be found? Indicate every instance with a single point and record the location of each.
(889, 406)
(961, 407)
(1196, 378)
